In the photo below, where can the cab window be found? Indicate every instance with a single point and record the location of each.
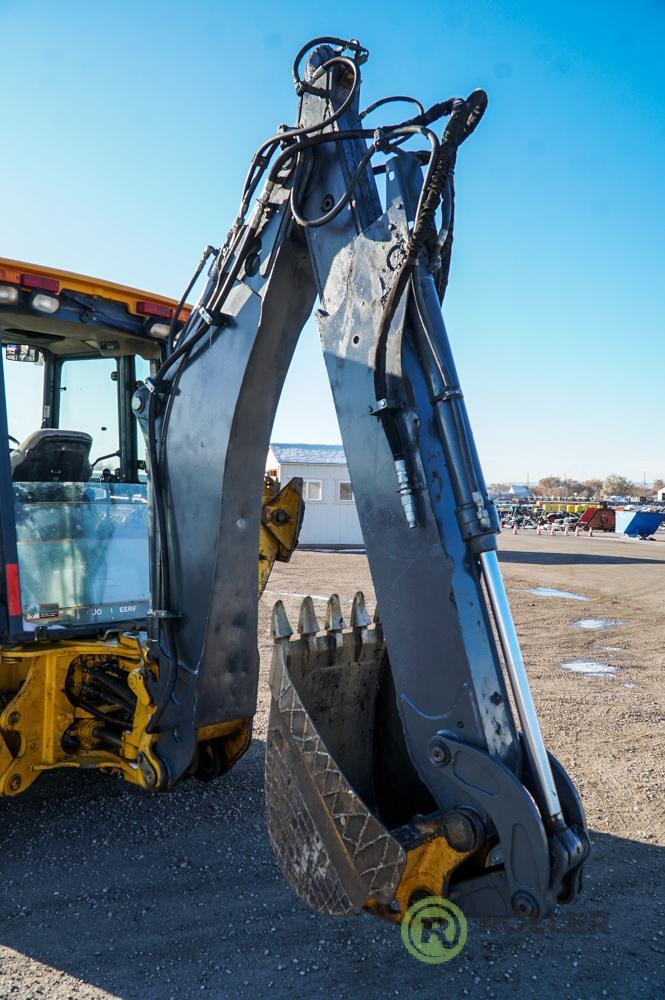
(88, 401)
(24, 381)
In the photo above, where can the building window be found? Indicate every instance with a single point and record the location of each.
(313, 490)
(344, 491)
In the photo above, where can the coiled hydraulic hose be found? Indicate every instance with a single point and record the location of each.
(464, 117)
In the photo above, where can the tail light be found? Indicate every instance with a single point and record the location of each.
(40, 281)
(154, 309)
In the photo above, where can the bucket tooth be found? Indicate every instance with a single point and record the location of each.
(378, 627)
(359, 616)
(280, 626)
(307, 621)
(334, 618)
(334, 625)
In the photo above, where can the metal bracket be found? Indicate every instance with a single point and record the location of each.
(214, 318)
(383, 406)
(205, 316)
(157, 388)
(453, 393)
(522, 887)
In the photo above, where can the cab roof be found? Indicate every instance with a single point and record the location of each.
(73, 314)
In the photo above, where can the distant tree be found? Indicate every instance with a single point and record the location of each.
(571, 487)
(549, 486)
(499, 487)
(592, 487)
(657, 485)
(617, 486)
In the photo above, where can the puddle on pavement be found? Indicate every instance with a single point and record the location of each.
(549, 592)
(598, 623)
(592, 668)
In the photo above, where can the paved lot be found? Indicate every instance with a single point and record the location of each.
(112, 893)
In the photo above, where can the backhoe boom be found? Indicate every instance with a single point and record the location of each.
(394, 763)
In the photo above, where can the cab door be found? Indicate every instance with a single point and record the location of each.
(76, 552)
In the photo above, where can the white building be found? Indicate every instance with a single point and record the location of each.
(331, 519)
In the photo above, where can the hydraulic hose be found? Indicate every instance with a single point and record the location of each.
(464, 117)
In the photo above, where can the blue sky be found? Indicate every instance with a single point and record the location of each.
(127, 129)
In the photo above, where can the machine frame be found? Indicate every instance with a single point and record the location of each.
(43, 723)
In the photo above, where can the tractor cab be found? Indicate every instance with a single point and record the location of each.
(73, 485)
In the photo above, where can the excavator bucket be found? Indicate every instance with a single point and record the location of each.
(351, 824)
(324, 761)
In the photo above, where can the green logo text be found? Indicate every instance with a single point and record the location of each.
(434, 930)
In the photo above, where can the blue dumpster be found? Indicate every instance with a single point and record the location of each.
(638, 523)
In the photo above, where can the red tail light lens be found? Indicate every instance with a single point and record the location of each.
(154, 309)
(13, 590)
(41, 282)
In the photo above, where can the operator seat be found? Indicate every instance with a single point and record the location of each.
(52, 455)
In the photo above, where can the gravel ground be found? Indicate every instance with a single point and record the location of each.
(113, 893)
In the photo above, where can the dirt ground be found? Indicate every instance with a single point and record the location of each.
(112, 893)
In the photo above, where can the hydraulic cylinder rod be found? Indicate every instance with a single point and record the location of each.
(526, 710)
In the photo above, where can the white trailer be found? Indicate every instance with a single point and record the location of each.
(331, 519)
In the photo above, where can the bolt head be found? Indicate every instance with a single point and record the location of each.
(439, 753)
(463, 829)
(252, 264)
(524, 905)
(147, 770)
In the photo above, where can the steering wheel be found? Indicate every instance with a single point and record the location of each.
(12, 438)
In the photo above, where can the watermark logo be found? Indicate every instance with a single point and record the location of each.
(434, 930)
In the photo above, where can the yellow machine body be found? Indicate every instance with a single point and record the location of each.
(51, 711)
(42, 727)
